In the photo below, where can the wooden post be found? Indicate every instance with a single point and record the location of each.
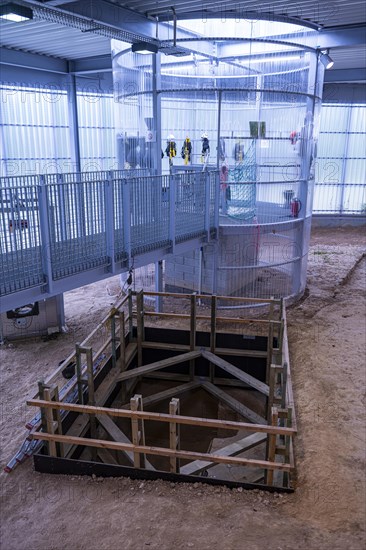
(271, 452)
(269, 350)
(140, 325)
(41, 387)
(57, 414)
(113, 337)
(130, 315)
(286, 475)
(281, 308)
(284, 385)
(213, 335)
(138, 431)
(91, 396)
(50, 426)
(271, 306)
(192, 339)
(78, 374)
(272, 386)
(122, 342)
(174, 434)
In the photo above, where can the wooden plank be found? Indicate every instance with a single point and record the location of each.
(162, 417)
(171, 376)
(140, 325)
(72, 357)
(243, 376)
(234, 404)
(218, 381)
(196, 467)
(219, 351)
(234, 320)
(228, 298)
(122, 342)
(159, 451)
(269, 350)
(271, 448)
(102, 394)
(167, 394)
(174, 434)
(106, 457)
(159, 365)
(290, 402)
(136, 458)
(49, 423)
(192, 334)
(118, 435)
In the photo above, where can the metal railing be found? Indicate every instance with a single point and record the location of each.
(59, 225)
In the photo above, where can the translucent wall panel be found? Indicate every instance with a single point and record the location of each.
(340, 169)
(98, 145)
(35, 132)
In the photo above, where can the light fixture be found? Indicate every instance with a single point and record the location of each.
(15, 13)
(326, 59)
(144, 48)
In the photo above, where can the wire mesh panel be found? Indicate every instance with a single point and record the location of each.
(149, 214)
(252, 115)
(76, 217)
(190, 204)
(20, 243)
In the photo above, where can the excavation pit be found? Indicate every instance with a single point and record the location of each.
(205, 405)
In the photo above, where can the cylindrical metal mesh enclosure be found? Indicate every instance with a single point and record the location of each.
(242, 98)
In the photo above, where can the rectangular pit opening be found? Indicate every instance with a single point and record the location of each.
(209, 401)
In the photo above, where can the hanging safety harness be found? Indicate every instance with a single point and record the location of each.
(186, 150)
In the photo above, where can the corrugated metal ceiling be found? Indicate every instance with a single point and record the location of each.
(54, 39)
(327, 13)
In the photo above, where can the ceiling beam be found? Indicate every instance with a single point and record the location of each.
(98, 64)
(345, 75)
(343, 36)
(18, 58)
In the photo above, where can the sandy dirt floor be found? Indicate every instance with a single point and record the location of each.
(327, 511)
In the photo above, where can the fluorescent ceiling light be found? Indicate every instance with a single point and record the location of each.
(144, 48)
(15, 13)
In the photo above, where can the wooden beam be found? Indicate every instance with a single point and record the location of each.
(102, 394)
(174, 434)
(234, 404)
(243, 376)
(234, 320)
(228, 298)
(107, 457)
(140, 325)
(290, 402)
(269, 350)
(192, 334)
(218, 381)
(160, 451)
(117, 435)
(50, 425)
(196, 467)
(162, 417)
(219, 351)
(71, 357)
(271, 446)
(122, 342)
(159, 365)
(167, 394)
(171, 376)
